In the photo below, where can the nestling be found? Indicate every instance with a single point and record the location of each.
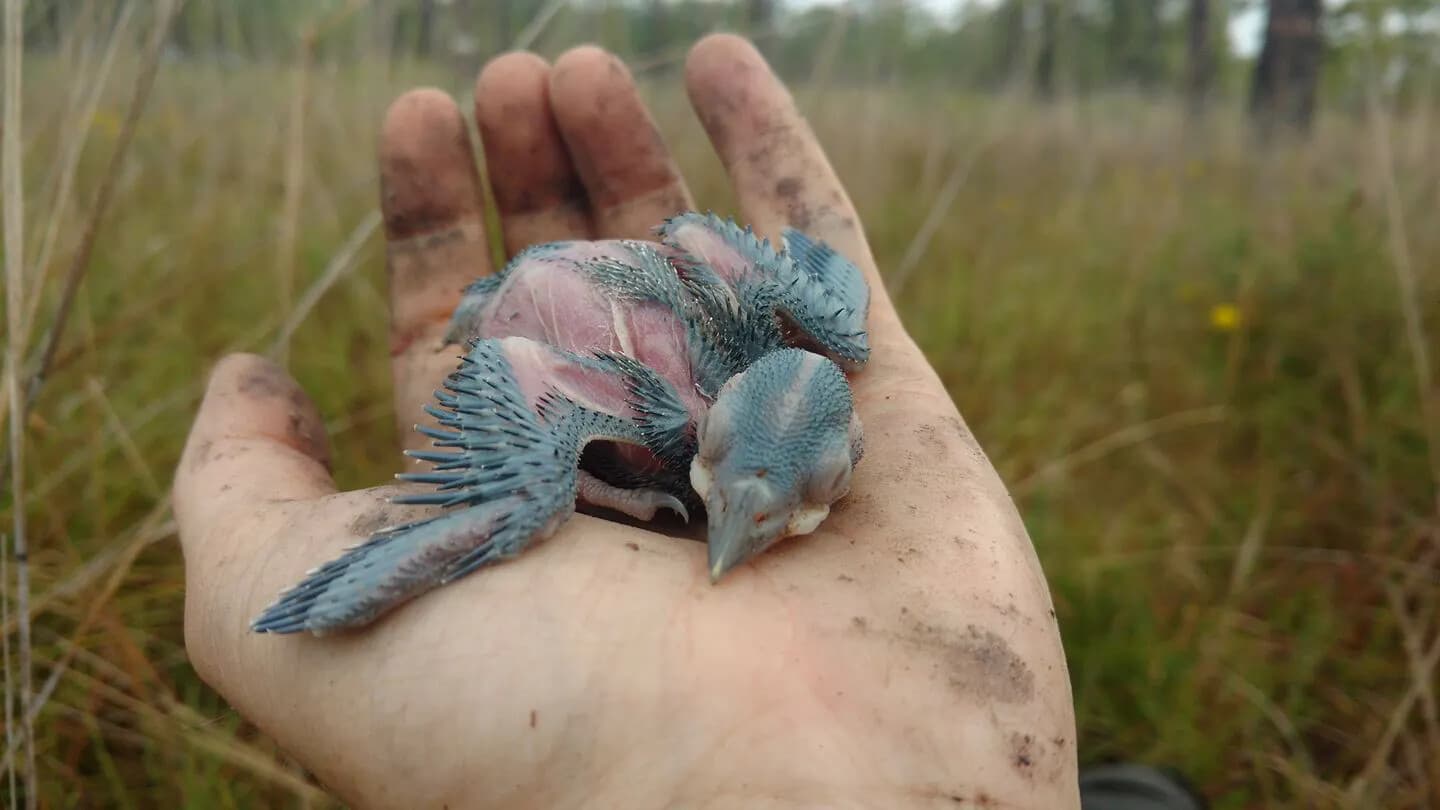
(704, 370)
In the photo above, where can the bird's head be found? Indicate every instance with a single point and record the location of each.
(777, 448)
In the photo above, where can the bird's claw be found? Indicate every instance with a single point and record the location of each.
(675, 505)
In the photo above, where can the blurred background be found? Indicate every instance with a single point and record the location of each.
(1175, 259)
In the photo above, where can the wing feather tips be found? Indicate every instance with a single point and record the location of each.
(385, 571)
(838, 275)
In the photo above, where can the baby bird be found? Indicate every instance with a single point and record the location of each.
(700, 371)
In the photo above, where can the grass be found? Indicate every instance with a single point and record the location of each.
(1187, 356)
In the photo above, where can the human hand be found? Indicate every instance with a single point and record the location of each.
(905, 654)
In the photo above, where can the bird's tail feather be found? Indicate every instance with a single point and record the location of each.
(397, 564)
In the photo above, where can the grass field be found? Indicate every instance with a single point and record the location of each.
(1188, 357)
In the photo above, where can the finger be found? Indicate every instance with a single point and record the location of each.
(538, 194)
(256, 439)
(780, 173)
(434, 227)
(627, 170)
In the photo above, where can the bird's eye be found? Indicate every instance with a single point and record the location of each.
(831, 481)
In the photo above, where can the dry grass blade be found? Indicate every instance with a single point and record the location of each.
(1298, 752)
(1408, 286)
(341, 263)
(1253, 541)
(61, 475)
(81, 262)
(294, 177)
(126, 439)
(1413, 633)
(5, 659)
(13, 179)
(73, 145)
(939, 209)
(97, 566)
(289, 225)
(117, 577)
(1421, 681)
(823, 70)
(177, 720)
(536, 26)
(1125, 437)
(1291, 555)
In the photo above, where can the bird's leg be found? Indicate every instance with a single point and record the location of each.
(641, 504)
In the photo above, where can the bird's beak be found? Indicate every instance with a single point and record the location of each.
(729, 541)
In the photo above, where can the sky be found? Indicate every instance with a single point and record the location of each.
(1245, 26)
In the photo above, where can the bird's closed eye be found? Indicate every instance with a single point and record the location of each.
(830, 482)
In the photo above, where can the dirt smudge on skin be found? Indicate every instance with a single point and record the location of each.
(978, 663)
(275, 408)
(789, 187)
(934, 440)
(1022, 754)
(263, 382)
(790, 192)
(304, 433)
(201, 456)
(1013, 613)
(1033, 759)
(958, 427)
(371, 521)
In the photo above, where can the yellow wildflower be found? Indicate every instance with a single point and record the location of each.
(1225, 317)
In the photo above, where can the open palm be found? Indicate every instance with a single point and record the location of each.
(903, 655)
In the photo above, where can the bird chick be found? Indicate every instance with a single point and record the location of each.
(707, 367)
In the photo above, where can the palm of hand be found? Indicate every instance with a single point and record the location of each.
(905, 653)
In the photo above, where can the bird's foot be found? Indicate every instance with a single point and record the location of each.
(641, 504)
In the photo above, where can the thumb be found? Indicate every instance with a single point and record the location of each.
(256, 439)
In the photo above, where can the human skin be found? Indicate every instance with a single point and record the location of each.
(906, 654)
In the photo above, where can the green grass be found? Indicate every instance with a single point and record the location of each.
(1238, 524)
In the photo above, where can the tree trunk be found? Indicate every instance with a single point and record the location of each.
(425, 36)
(1045, 56)
(1012, 61)
(180, 37)
(761, 14)
(1148, 55)
(1200, 58)
(1288, 71)
(503, 24)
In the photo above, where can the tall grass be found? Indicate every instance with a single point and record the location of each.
(1187, 356)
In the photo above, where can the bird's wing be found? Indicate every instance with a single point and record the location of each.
(824, 299)
(737, 255)
(833, 273)
(514, 419)
(821, 296)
